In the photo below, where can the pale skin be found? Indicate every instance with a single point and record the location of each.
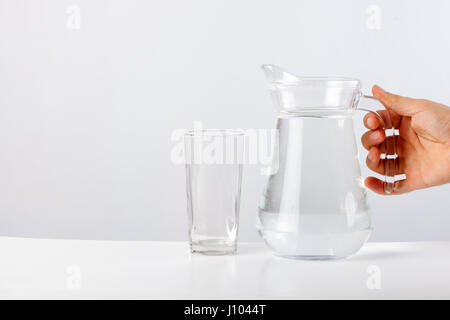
(423, 145)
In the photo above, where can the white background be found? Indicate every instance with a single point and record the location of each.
(86, 114)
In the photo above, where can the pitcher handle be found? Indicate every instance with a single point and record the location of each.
(391, 161)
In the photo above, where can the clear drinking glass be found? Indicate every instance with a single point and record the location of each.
(213, 181)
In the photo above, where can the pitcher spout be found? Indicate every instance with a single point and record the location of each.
(275, 74)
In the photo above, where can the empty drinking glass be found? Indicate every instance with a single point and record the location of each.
(213, 182)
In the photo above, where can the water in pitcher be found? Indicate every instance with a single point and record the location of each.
(314, 206)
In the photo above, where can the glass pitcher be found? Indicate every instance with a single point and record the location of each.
(314, 205)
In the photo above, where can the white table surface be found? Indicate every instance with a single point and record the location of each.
(74, 269)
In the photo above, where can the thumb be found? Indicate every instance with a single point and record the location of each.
(401, 105)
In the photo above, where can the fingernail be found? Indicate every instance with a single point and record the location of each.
(369, 156)
(375, 135)
(381, 89)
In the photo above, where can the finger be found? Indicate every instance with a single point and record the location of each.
(372, 138)
(401, 105)
(376, 185)
(371, 121)
(374, 162)
(389, 119)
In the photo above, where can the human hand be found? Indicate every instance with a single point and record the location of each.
(423, 143)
